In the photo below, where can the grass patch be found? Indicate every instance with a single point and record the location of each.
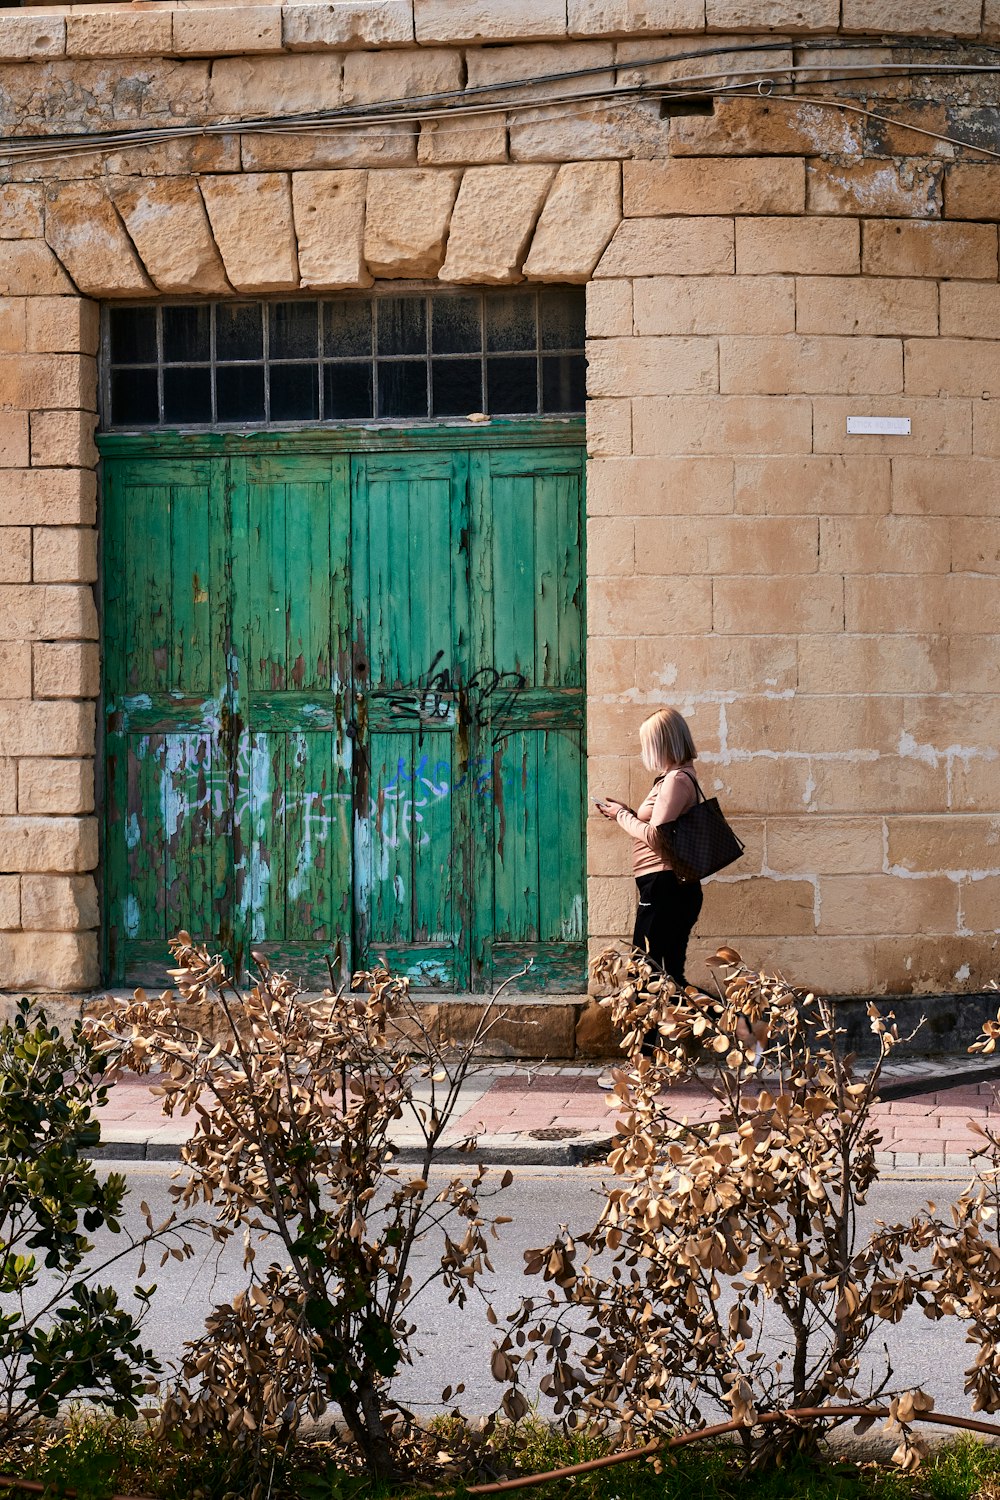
(99, 1457)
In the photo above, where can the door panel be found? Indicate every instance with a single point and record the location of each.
(411, 607)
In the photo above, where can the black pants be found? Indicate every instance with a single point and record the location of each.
(667, 912)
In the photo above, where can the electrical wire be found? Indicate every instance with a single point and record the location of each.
(434, 108)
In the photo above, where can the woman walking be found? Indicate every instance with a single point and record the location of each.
(668, 908)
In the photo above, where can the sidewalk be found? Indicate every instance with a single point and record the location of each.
(550, 1115)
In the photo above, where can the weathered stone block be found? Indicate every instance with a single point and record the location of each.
(48, 497)
(610, 906)
(688, 185)
(10, 902)
(55, 786)
(64, 554)
(765, 545)
(85, 230)
(632, 17)
(908, 663)
(884, 544)
(167, 221)
(492, 65)
(714, 304)
(62, 325)
(669, 247)
(876, 187)
(58, 903)
(251, 219)
(15, 554)
(119, 33)
(400, 74)
(494, 216)
(27, 38)
(595, 1034)
(652, 366)
(214, 31)
(334, 151)
(824, 845)
(8, 784)
(772, 366)
(745, 15)
(488, 20)
(609, 309)
(29, 269)
(877, 305)
(20, 211)
(664, 425)
(450, 143)
(406, 221)
(975, 546)
(39, 845)
(64, 438)
(329, 209)
(12, 325)
(348, 24)
(50, 961)
(965, 842)
(815, 485)
(609, 428)
(51, 611)
(13, 439)
(910, 248)
(686, 605)
(252, 86)
(47, 728)
(818, 724)
(660, 486)
(950, 18)
(588, 132)
(66, 669)
(759, 907)
(972, 191)
(770, 605)
(15, 669)
(952, 367)
(581, 213)
(895, 603)
(611, 546)
(758, 126)
(969, 310)
(810, 246)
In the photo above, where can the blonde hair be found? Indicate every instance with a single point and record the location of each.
(666, 740)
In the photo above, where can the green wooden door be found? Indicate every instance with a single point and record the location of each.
(345, 709)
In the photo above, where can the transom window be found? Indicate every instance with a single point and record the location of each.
(345, 359)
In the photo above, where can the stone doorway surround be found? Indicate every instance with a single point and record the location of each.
(826, 610)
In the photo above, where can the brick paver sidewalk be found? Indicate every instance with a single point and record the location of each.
(552, 1115)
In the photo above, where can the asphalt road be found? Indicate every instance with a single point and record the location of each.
(456, 1344)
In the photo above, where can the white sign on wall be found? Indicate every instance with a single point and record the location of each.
(898, 426)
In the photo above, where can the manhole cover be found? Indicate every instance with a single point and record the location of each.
(554, 1133)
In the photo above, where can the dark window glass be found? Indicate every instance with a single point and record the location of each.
(402, 389)
(239, 393)
(347, 390)
(294, 330)
(564, 382)
(510, 322)
(187, 395)
(457, 386)
(456, 325)
(511, 385)
(133, 336)
(402, 325)
(562, 319)
(133, 397)
(239, 331)
(187, 333)
(294, 393)
(347, 328)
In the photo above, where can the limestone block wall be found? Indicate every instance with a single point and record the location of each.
(824, 607)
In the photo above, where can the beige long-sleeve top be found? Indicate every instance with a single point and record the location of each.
(670, 795)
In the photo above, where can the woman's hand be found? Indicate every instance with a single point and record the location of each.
(608, 807)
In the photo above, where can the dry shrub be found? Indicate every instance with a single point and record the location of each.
(294, 1107)
(726, 1272)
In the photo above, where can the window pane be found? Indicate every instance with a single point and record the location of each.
(402, 325)
(239, 393)
(294, 330)
(294, 393)
(133, 336)
(133, 397)
(347, 328)
(456, 325)
(347, 390)
(457, 387)
(187, 395)
(561, 314)
(187, 333)
(511, 385)
(402, 389)
(239, 331)
(564, 382)
(510, 322)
